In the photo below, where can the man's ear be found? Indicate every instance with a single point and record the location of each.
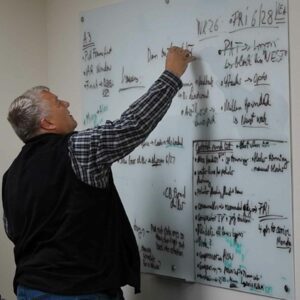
(46, 125)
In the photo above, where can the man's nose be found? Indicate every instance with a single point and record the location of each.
(66, 103)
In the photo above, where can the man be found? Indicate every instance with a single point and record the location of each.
(61, 209)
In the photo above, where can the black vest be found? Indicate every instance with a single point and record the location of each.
(70, 238)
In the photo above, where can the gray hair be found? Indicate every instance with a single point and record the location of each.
(26, 111)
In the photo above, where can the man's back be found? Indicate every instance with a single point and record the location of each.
(69, 237)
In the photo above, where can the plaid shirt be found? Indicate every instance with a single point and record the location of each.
(92, 151)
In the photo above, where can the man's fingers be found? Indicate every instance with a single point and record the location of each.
(192, 58)
(189, 56)
(177, 60)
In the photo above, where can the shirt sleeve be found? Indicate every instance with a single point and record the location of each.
(92, 151)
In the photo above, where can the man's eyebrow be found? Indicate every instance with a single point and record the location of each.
(57, 102)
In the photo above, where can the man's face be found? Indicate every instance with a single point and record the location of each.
(59, 114)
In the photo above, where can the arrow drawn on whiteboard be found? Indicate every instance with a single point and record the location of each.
(208, 38)
(131, 87)
(271, 217)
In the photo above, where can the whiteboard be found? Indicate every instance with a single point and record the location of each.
(208, 193)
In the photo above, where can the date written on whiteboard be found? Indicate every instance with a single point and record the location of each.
(260, 17)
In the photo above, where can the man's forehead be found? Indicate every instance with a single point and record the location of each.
(48, 95)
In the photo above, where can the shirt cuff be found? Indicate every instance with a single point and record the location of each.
(171, 80)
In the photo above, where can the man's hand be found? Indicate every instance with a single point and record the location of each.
(177, 60)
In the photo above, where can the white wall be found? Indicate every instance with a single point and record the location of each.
(26, 66)
(23, 63)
